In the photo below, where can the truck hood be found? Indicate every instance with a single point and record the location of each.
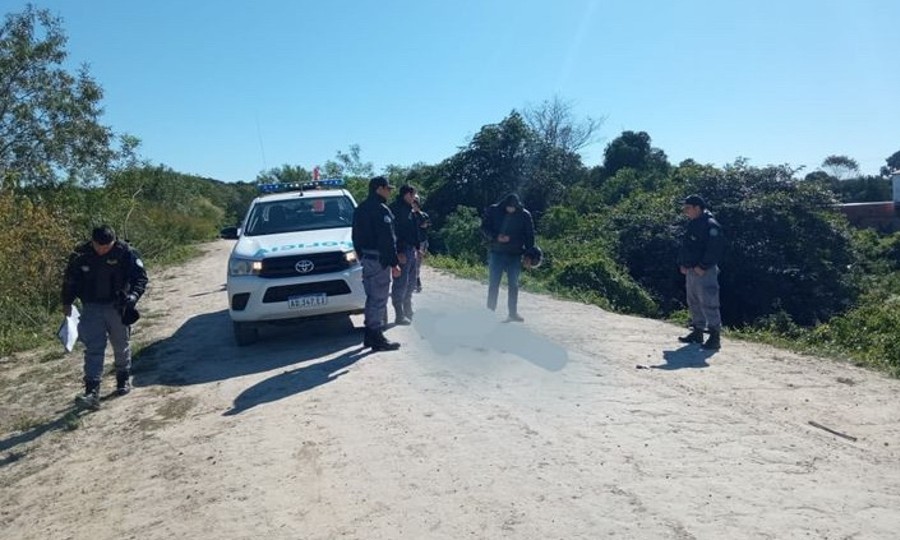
(293, 243)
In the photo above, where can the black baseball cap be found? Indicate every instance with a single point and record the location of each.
(694, 200)
(379, 181)
(103, 235)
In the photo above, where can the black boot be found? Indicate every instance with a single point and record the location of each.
(696, 336)
(713, 343)
(381, 343)
(91, 398)
(368, 340)
(123, 382)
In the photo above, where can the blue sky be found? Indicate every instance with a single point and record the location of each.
(228, 88)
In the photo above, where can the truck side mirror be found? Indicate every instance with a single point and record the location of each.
(229, 233)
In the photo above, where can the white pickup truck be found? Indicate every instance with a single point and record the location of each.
(293, 258)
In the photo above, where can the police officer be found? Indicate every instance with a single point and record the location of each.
(508, 226)
(406, 227)
(698, 259)
(108, 276)
(376, 246)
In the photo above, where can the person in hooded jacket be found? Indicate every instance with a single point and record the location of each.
(108, 276)
(509, 229)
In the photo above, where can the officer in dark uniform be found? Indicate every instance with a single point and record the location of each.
(108, 276)
(698, 259)
(376, 246)
(407, 228)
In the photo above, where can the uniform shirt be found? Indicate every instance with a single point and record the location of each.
(373, 230)
(405, 225)
(703, 242)
(103, 279)
(518, 226)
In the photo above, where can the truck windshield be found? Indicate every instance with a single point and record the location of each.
(308, 213)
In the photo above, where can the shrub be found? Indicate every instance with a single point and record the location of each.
(596, 272)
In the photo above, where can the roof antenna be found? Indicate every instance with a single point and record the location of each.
(262, 150)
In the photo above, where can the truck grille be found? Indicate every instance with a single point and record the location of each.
(322, 263)
(281, 294)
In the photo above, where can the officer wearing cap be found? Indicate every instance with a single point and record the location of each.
(109, 278)
(701, 249)
(375, 244)
(406, 227)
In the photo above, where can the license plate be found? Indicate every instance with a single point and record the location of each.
(307, 301)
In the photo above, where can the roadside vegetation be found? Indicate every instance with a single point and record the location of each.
(795, 271)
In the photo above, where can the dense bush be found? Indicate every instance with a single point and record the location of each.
(868, 332)
(461, 235)
(158, 211)
(598, 273)
(34, 244)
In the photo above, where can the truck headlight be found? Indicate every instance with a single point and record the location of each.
(350, 257)
(244, 267)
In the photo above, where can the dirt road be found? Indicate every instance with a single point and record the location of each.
(474, 429)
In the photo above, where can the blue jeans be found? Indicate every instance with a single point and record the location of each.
(512, 265)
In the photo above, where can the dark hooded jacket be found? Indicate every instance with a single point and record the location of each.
(518, 226)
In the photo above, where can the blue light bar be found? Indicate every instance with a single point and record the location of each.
(297, 186)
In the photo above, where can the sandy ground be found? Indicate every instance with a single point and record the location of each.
(578, 424)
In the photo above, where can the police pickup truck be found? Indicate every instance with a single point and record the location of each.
(293, 258)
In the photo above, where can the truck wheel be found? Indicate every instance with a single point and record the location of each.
(245, 333)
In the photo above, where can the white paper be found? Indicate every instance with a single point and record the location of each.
(68, 330)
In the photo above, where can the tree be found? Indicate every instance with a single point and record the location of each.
(352, 164)
(633, 150)
(49, 118)
(555, 124)
(841, 167)
(286, 174)
(893, 162)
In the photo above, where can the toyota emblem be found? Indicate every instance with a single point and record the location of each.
(304, 266)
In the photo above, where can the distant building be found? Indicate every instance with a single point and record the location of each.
(883, 216)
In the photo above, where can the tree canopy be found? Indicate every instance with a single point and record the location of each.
(50, 127)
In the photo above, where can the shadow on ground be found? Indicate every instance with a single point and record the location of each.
(689, 356)
(203, 350)
(479, 330)
(295, 381)
(67, 419)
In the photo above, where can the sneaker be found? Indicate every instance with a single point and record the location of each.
(515, 317)
(402, 321)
